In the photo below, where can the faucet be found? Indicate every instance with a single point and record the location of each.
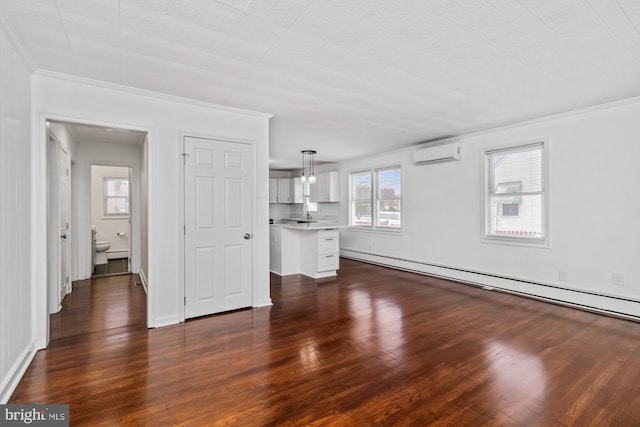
(305, 207)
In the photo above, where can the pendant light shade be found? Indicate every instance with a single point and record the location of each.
(308, 173)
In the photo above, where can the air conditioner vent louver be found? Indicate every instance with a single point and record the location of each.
(437, 154)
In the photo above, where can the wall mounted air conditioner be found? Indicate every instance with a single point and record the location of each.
(438, 153)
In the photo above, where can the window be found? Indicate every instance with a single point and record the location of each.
(515, 197)
(375, 198)
(116, 196)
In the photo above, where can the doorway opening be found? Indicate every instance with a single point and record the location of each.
(110, 219)
(102, 172)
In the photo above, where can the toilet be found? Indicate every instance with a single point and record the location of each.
(101, 252)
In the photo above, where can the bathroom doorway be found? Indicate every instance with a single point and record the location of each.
(110, 220)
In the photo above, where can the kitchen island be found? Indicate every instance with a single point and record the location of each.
(312, 249)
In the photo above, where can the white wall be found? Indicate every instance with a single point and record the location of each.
(16, 335)
(107, 228)
(594, 204)
(167, 119)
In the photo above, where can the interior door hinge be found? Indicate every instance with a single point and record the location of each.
(185, 229)
(185, 300)
(184, 157)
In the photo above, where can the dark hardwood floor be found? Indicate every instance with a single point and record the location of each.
(373, 346)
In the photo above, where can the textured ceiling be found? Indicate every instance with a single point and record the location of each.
(349, 77)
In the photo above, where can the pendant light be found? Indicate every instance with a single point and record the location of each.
(308, 175)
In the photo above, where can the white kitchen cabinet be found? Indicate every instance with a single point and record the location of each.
(284, 192)
(320, 253)
(273, 190)
(299, 249)
(296, 190)
(326, 188)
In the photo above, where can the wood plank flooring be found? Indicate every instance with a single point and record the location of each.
(373, 346)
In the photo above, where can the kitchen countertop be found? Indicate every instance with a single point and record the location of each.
(320, 225)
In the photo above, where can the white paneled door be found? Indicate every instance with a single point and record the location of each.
(218, 180)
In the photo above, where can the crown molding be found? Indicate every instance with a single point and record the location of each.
(149, 93)
(537, 120)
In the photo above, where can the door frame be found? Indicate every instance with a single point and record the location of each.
(39, 237)
(69, 239)
(57, 291)
(89, 197)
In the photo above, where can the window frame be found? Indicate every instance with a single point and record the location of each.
(106, 197)
(544, 192)
(374, 199)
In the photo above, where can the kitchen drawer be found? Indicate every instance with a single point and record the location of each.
(328, 245)
(328, 262)
(333, 232)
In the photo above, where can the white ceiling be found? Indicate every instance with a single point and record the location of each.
(349, 77)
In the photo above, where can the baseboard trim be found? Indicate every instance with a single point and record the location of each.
(613, 305)
(167, 321)
(143, 279)
(15, 374)
(265, 302)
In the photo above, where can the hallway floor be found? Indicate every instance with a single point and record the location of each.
(113, 266)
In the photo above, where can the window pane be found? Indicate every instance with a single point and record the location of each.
(389, 184)
(389, 213)
(526, 224)
(361, 214)
(117, 205)
(523, 168)
(362, 186)
(116, 196)
(117, 187)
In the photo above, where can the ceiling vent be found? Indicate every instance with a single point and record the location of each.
(437, 154)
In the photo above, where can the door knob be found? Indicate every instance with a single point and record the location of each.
(247, 236)
(64, 236)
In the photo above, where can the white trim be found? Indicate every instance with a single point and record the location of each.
(373, 171)
(515, 147)
(16, 372)
(143, 279)
(150, 93)
(166, 321)
(488, 131)
(626, 307)
(265, 302)
(17, 41)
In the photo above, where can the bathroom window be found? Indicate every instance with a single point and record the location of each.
(116, 196)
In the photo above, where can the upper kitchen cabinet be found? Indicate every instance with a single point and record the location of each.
(326, 188)
(285, 190)
(273, 190)
(296, 189)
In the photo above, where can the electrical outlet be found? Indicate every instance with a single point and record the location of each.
(618, 279)
(562, 275)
